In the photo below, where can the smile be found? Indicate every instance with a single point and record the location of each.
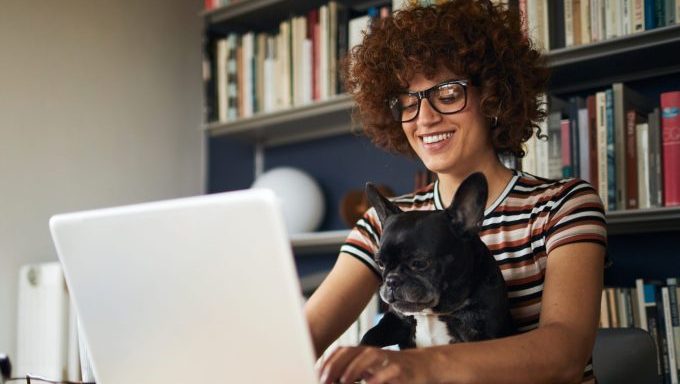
(431, 139)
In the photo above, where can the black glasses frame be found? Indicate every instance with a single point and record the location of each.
(393, 102)
(28, 379)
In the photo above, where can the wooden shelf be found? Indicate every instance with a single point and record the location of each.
(314, 120)
(618, 223)
(643, 220)
(628, 58)
(263, 15)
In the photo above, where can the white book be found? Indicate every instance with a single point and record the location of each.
(569, 22)
(627, 16)
(323, 77)
(604, 310)
(529, 159)
(222, 93)
(586, 34)
(269, 80)
(670, 341)
(248, 86)
(602, 169)
(537, 23)
(638, 16)
(622, 307)
(611, 18)
(356, 28)
(306, 71)
(283, 58)
(642, 135)
(595, 20)
(542, 155)
(640, 290)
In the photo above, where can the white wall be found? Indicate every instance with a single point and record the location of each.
(100, 105)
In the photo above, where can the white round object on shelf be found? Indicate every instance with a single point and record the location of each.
(301, 197)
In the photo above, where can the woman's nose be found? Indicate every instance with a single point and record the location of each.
(428, 115)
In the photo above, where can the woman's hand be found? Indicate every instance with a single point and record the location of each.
(374, 365)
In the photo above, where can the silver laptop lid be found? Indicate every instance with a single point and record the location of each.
(192, 290)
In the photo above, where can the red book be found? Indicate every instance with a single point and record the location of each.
(670, 128)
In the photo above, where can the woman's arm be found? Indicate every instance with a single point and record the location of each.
(339, 300)
(556, 352)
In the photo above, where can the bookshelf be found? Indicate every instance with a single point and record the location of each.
(578, 69)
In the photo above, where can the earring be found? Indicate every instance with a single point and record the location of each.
(494, 122)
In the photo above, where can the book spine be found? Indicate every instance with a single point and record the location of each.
(611, 152)
(670, 127)
(652, 316)
(674, 309)
(643, 165)
(638, 15)
(565, 140)
(631, 161)
(592, 141)
(663, 336)
(656, 163)
(602, 171)
(650, 15)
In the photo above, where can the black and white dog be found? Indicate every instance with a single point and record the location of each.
(440, 281)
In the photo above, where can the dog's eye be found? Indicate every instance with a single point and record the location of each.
(419, 265)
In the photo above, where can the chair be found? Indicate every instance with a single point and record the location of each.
(625, 355)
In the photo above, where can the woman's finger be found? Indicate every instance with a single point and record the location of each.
(335, 364)
(391, 374)
(365, 365)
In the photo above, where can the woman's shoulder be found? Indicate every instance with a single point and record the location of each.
(542, 185)
(421, 198)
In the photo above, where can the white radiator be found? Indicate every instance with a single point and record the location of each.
(46, 331)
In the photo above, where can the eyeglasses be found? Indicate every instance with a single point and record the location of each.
(446, 98)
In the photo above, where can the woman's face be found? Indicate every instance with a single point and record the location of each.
(455, 143)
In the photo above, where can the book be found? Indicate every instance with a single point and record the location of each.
(602, 163)
(670, 127)
(592, 141)
(565, 141)
(556, 23)
(643, 176)
(625, 99)
(672, 373)
(638, 23)
(631, 161)
(673, 291)
(655, 162)
(611, 152)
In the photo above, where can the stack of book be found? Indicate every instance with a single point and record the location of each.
(625, 145)
(565, 23)
(653, 306)
(259, 72)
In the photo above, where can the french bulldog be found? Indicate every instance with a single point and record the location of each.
(440, 281)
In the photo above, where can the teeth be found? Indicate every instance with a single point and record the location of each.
(436, 138)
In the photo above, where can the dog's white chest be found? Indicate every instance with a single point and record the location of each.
(430, 331)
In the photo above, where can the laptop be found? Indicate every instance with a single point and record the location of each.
(193, 290)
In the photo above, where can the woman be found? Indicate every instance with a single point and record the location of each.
(457, 84)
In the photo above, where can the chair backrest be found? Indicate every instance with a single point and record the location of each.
(625, 355)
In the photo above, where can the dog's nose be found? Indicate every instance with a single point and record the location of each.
(393, 281)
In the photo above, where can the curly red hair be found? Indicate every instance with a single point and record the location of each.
(472, 38)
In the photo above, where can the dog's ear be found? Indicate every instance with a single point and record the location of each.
(382, 206)
(469, 202)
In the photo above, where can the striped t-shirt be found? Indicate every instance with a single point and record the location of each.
(530, 218)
